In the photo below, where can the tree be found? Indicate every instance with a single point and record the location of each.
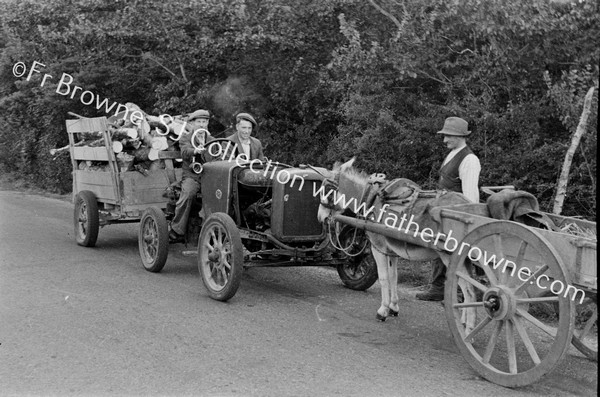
(326, 79)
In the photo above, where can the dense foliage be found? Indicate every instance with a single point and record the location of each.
(327, 80)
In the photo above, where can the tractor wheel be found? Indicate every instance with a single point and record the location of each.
(220, 256)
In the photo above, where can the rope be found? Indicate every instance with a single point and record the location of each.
(338, 245)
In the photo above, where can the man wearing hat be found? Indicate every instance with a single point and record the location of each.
(250, 146)
(196, 129)
(459, 173)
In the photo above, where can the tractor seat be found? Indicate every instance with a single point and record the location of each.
(254, 178)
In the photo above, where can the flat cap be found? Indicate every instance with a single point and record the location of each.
(199, 114)
(247, 117)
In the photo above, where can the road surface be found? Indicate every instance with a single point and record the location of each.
(92, 321)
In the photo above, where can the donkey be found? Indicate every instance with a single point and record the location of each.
(364, 195)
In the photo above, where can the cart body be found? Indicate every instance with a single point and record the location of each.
(578, 253)
(490, 312)
(123, 195)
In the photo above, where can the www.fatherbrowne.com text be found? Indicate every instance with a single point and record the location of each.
(450, 244)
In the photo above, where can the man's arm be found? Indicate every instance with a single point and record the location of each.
(185, 146)
(188, 150)
(468, 171)
(206, 156)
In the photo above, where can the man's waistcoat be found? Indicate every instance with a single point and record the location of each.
(449, 179)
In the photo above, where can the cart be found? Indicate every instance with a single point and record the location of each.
(104, 194)
(501, 312)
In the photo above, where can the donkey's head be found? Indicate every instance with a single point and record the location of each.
(340, 189)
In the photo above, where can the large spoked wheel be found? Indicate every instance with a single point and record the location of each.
(153, 239)
(585, 335)
(493, 322)
(358, 272)
(220, 256)
(86, 218)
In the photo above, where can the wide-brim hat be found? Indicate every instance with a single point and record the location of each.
(455, 126)
(247, 117)
(199, 114)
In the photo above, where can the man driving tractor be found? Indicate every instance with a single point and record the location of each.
(191, 152)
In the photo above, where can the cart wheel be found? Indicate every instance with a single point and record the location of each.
(220, 256)
(357, 272)
(87, 220)
(504, 339)
(153, 239)
(585, 335)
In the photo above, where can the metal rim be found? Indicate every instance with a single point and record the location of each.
(355, 270)
(82, 220)
(150, 242)
(216, 256)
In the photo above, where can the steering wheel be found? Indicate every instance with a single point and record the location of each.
(278, 164)
(220, 149)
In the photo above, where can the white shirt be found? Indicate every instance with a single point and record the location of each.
(246, 147)
(468, 172)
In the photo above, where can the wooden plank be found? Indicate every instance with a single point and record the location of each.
(139, 208)
(561, 221)
(90, 153)
(579, 261)
(584, 280)
(164, 154)
(144, 190)
(113, 166)
(589, 262)
(97, 178)
(98, 182)
(585, 270)
(139, 191)
(93, 124)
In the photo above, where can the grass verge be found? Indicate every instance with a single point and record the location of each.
(12, 182)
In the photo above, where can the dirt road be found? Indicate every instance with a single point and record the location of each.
(92, 321)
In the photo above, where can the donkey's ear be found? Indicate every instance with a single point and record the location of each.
(326, 173)
(348, 164)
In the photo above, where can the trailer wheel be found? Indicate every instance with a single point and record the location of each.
(86, 219)
(357, 272)
(220, 256)
(153, 239)
(502, 337)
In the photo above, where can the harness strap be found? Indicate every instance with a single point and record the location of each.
(373, 188)
(399, 191)
(328, 182)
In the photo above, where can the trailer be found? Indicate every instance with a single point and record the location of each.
(104, 194)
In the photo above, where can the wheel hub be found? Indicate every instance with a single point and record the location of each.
(215, 255)
(500, 303)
